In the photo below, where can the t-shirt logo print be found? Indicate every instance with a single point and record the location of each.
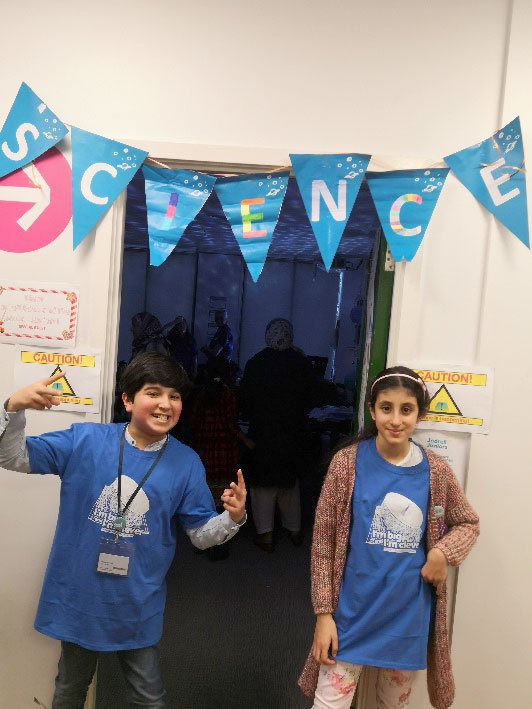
(105, 510)
(396, 524)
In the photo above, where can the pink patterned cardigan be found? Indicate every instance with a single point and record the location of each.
(452, 526)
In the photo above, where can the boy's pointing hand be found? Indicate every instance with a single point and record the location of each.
(38, 395)
(234, 499)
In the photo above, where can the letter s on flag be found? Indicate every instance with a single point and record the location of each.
(22, 150)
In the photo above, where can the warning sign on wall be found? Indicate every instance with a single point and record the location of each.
(460, 398)
(78, 388)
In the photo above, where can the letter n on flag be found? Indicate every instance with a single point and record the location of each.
(405, 201)
(251, 204)
(329, 186)
(494, 172)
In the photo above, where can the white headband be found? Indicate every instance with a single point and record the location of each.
(405, 376)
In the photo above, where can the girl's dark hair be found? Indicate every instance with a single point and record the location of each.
(391, 378)
(153, 368)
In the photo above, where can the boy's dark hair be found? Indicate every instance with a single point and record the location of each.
(153, 368)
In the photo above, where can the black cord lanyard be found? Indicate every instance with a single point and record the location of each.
(119, 522)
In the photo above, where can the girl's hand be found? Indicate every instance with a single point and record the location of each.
(37, 396)
(435, 569)
(325, 639)
(234, 499)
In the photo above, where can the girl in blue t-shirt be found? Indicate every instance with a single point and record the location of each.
(390, 519)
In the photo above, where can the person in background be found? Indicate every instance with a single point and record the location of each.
(147, 334)
(222, 342)
(215, 434)
(278, 389)
(183, 347)
(124, 491)
(390, 520)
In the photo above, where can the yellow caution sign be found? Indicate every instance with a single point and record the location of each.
(435, 376)
(66, 393)
(70, 360)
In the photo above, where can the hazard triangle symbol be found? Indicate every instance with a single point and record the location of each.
(61, 385)
(443, 403)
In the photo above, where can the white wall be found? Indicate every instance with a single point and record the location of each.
(379, 77)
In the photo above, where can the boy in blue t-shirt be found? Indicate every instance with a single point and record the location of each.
(123, 489)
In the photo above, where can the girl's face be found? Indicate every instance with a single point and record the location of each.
(395, 414)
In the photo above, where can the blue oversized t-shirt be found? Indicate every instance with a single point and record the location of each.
(384, 608)
(100, 611)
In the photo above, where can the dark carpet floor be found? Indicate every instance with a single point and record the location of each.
(236, 633)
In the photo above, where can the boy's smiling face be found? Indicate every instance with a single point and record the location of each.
(155, 409)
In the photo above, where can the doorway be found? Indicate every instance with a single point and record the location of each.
(237, 631)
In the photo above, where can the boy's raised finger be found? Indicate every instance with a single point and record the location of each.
(52, 379)
(240, 480)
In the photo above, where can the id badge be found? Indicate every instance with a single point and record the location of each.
(114, 557)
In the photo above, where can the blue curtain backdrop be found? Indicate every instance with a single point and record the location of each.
(207, 263)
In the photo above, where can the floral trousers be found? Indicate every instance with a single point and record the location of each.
(337, 684)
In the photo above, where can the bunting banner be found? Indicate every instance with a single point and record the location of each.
(336, 180)
(173, 198)
(29, 131)
(486, 167)
(101, 169)
(405, 201)
(252, 205)
(493, 171)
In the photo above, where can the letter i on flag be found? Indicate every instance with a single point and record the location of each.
(173, 198)
(494, 172)
(29, 131)
(329, 186)
(252, 205)
(101, 169)
(405, 201)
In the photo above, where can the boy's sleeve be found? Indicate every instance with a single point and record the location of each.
(13, 449)
(196, 506)
(44, 454)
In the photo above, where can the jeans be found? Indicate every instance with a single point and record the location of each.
(141, 670)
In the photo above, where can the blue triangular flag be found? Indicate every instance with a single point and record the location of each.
(494, 172)
(173, 198)
(252, 204)
(405, 201)
(101, 169)
(329, 186)
(29, 131)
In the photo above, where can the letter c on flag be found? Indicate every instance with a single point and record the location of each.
(88, 176)
(395, 218)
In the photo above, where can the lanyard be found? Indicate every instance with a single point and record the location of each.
(119, 522)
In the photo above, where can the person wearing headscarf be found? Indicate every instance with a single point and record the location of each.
(147, 334)
(278, 388)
